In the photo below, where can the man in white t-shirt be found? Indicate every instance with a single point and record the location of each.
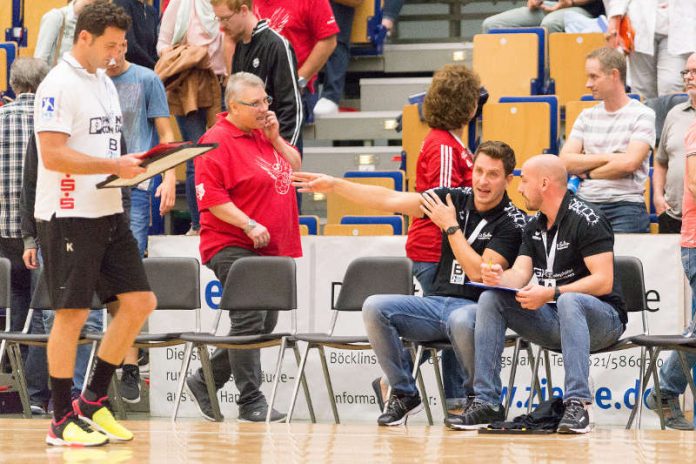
(83, 232)
(610, 143)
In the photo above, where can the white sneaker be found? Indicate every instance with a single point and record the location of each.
(325, 106)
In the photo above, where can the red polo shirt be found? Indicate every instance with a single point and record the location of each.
(246, 170)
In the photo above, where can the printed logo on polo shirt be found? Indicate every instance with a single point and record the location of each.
(48, 108)
(484, 236)
(279, 171)
(67, 187)
(562, 245)
(200, 191)
(255, 63)
(104, 125)
(517, 216)
(583, 210)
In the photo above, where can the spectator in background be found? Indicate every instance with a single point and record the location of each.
(16, 128)
(145, 123)
(668, 169)
(390, 13)
(665, 35)
(311, 28)
(193, 22)
(261, 51)
(56, 31)
(547, 14)
(142, 35)
(444, 162)
(610, 144)
(673, 381)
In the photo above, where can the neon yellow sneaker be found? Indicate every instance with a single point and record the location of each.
(72, 431)
(98, 415)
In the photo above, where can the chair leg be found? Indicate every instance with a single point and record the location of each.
(656, 384)
(535, 380)
(421, 384)
(296, 387)
(534, 385)
(185, 363)
(276, 377)
(549, 385)
(15, 357)
(3, 344)
(209, 381)
(329, 386)
(119, 406)
(513, 374)
(305, 386)
(643, 377)
(90, 364)
(438, 378)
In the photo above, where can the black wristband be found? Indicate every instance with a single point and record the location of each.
(556, 293)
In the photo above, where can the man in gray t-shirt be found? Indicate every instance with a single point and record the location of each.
(668, 174)
(610, 143)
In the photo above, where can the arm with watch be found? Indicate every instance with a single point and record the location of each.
(444, 215)
(228, 212)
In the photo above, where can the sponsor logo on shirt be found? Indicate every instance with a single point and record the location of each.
(104, 125)
(583, 210)
(536, 236)
(67, 187)
(255, 63)
(484, 236)
(457, 276)
(48, 108)
(200, 191)
(562, 245)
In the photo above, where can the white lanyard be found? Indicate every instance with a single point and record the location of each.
(108, 95)
(550, 254)
(479, 227)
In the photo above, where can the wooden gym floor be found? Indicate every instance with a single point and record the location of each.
(197, 441)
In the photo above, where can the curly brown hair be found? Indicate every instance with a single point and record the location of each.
(95, 18)
(452, 97)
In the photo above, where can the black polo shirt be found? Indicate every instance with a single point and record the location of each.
(582, 231)
(501, 233)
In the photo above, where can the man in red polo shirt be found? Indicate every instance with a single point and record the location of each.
(248, 208)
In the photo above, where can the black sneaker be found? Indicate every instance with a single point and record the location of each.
(130, 384)
(399, 408)
(257, 413)
(671, 411)
(461, 406)
(199, 394)
(377, 388)
(576, 418)
(476, 416)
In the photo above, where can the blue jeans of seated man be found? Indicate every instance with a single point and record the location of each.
(337, 64)
(626, 217)
(192, 127)
(140, 216)
(576, 325)
(452, 376)
(94, 324)
(673, 382)
(389, 317)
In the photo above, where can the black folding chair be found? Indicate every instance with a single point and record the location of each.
(252, 284)
(176, 284)
(363, 278)
(629, 271)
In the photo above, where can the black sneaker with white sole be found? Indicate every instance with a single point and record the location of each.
(199, 394)
(476, 416)
(576, 418)
(257, 413)
(130, 384)
(399, 408)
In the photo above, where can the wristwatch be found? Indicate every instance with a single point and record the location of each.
(556, 293)
(302, 82)
(250, 225)
(452, 230)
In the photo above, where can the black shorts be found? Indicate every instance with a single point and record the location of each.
(87, 255)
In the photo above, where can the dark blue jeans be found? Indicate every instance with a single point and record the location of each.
(626, 217)
(337, 65)
(192, 127)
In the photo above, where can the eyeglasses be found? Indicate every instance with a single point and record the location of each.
(224, 19)
(267, 100)
(686, 72)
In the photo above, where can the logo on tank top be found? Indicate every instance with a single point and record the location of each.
(279, 171)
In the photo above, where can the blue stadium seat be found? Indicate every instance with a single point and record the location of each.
(397, 222)
(398, 176)
(312, 223)
(538, 84)
(554, 122)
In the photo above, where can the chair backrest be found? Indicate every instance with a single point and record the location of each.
(311, 222)
(526, 127)
(357, 230)
(567, 55)
(175, 282)
(374, 276)
(5, 283)
(396, 174)
(41, 300)
(395, 221)
(554, 119)
(363, 13)
(514, 66)
(629, 271)
(573, 110)
(338, 206)
(260, 283)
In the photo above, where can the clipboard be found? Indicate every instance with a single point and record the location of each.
(492, 287)
(160, 158)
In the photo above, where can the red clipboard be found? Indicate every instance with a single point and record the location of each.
(160, 158)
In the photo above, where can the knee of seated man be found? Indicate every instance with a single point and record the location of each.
(570, 301)
(373, 308)
(462, 319)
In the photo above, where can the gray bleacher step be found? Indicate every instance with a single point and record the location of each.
(358, 125)
(336, 161)
(426, 57)
(390, 93)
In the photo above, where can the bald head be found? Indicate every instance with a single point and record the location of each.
(549, 166)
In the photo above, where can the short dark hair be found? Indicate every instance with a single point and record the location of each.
(500, 151)
(95, 18)
(610, 58)
(451, 98)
